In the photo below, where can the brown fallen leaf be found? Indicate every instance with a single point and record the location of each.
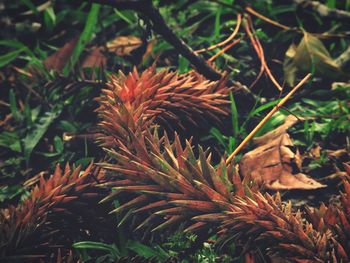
(149, 49)
(60, 58)
(315, 152)
(310, 55)
(95, 58)
(274, 164)
(338, 153)
(124, 45)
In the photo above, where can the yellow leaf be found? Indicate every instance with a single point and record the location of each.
(310, 56)
(124, 45)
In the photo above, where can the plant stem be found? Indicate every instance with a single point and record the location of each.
(266, 118)
(147, 8)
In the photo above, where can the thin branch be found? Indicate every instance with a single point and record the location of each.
(146, 8)
(343, 60)
(231, 37)
(3, 103)
(266, 19)
(267, 117)
(294, 29)
(323, 10)
(224, 50)
(260, 52)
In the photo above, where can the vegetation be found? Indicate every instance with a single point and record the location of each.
(189, 131)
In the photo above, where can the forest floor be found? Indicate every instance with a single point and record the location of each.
(57, 56)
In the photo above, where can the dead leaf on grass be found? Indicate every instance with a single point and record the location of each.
(95, 58)
(310, 56)
(124, 45)
(60, 58)
(274, 164)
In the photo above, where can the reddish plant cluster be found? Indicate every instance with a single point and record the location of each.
(168, 179)
(58, 209)
(174, 184)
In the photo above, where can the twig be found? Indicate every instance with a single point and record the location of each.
(260, 52)
(224, 50)
(323, 10)
(266, 118)
(284, 27)
(146, 8)
(3, 103)
(344, 59)
(6, 119)
(231, 37)
(266, 19)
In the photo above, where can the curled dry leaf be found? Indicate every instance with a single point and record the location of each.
(273, 162)
(310, 56)
(124, 45)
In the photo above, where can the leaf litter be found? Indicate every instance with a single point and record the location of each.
(274, 164)
(310, 56)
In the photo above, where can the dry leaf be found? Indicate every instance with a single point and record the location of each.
(273, 162)
(59, 59)
(338, 153)
(124, 45)
(315, 152)
(309, 56)
(95, 58)
(149, 49)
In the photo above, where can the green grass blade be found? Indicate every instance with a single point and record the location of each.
(125, 15)
(218, 136)
(85, 36)
(31, 6)
(10, 56)
(264, 107)
(13, 107)
(96, 245)
(145, 251)
(217, 22)
(234, 116)
(38, 130)
(10, 140)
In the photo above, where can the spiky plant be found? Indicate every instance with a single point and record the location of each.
(130, 109)
(59, 209)
(334, 220)
(171, 182)
(63, 206)
(165, 98)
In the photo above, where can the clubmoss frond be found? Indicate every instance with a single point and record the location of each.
(59, 208)
(165, 98)
(172, 182)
